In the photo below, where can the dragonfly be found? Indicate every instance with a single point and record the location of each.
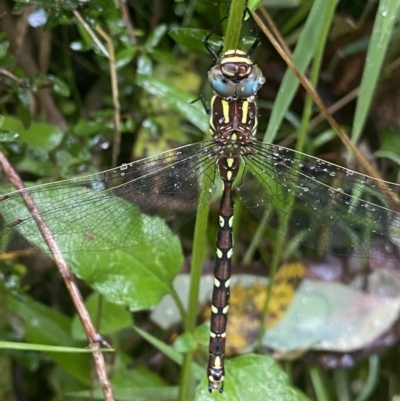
(322, 205)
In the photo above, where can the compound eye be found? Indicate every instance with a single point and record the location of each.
(243, 70)
(222, 86)
(235, 70)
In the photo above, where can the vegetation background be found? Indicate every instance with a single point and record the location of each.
(88, 85)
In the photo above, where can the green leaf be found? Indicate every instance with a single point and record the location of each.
(171, 353)
(155, 37)
(253, 4)
(388, 154)
(112, 318)
(177, 99)
(3, 48)
(125, 394)
(137, 276)
(46, 326)
(58, 85)
(250, 377)
(8, 136)
(192, 38)
(38, 135)
(24, 114)
(124, 57)
(167, 350)
(45, 348)
(185, 343)
(138, 377)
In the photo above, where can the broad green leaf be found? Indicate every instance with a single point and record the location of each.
(185, 343)
(124, 57)
(193, 38)
(130, 393)
(155, 37)
(57, 85)
(137, 276)
(38, 135)
(178, 99)
(112, 319)
(8, 136)
(250, 377)
(46, 326)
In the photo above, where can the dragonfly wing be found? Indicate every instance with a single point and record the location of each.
(122, 207)
(320, 204)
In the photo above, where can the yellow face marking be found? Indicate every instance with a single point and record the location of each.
(227, 283)
(230, 162)
(233, 137)
(242, 59)
(229, 254)
(217, 363)
(212, 334)
(225, 310)
(223, 335)
(230, 222)
(221, 221)
(236, 51)
(214, 309)
(229, 175)
(245, 112)
(217, 283)
(219, 253)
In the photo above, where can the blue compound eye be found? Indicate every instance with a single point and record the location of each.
(220, 84)
(249, 86)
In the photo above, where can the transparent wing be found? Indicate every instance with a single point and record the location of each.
(320, 204)
(115, 208)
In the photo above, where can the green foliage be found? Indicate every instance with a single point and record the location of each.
(62, 110)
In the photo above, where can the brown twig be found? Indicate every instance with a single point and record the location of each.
(89, 30)
(115, 96)
(67, 275)
(127, 20)
(17, 32)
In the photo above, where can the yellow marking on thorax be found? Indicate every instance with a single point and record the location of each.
(254, 130)
(233, 137)
(225, 110)
(245, 112)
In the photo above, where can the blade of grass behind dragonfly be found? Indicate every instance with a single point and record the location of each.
(386, 16)
(319, 20)
(230, 41)
(310, 38)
